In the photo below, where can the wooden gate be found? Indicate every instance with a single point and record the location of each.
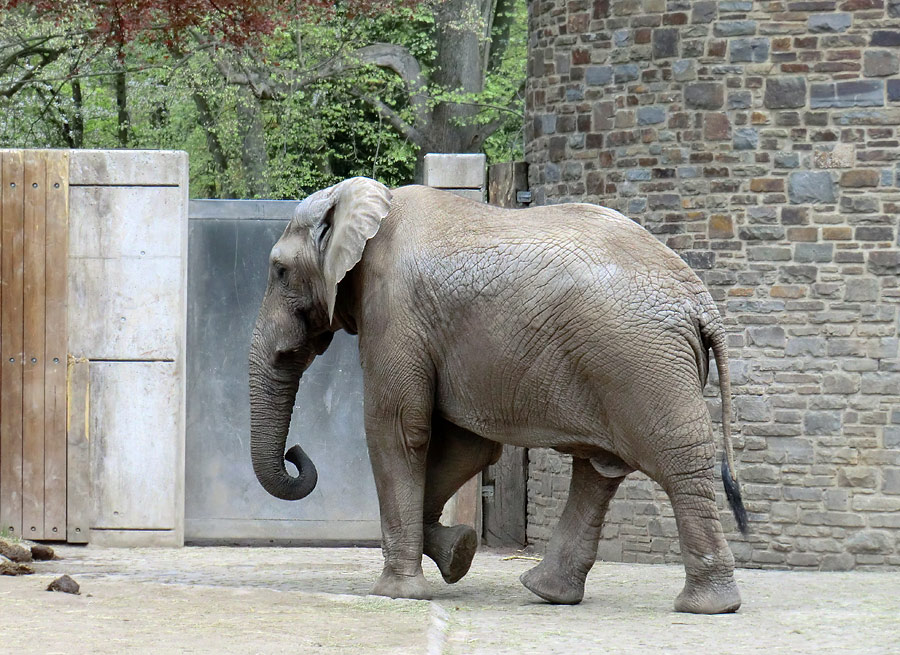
(34, 193)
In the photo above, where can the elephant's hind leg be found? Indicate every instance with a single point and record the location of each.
(685, 471)
(454, 456)
(572, 551)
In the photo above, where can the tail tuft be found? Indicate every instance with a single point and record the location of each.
(733, 494)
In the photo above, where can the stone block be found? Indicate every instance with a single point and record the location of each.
(852, 93)
(665, 42)
(753, 409)
(739, 100)
(626, 73)
(746, 138)
(829, 23)
(866, 204)
(766, 336)
(454, 171)
(598, 75)
(881, 382)
(810, 187)
(705, 11)
(728, 28)
(870, 541)
(813, 252)
(127, 167)
(721, 226)
(864, 477)
(704, 95)
(880, 63)
(813, 346)
(822, 423)
(884, 262)
(890, 481)
(684, 70)
(754, 50)
(768, 254)
(885, 38)
(787, 160)
(861, 177)
(785, 92)
(861, 290)
(837, 233)
(874, 233)
(650, 115)
(135, 448)
(840, 562)
(893, 90)
(761, 233)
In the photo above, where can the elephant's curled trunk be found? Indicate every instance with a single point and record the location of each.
(271, 403)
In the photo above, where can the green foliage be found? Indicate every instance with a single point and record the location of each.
(314, 129)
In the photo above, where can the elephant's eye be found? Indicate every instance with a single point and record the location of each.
(280, 272)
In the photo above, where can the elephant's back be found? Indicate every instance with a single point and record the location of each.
(587, 243)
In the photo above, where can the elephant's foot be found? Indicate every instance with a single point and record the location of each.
(553, 584)
(452, 549)
(393, 585)
(708, 598)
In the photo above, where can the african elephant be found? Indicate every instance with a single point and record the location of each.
(566, 327)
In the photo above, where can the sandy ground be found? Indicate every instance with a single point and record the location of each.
(305, 600)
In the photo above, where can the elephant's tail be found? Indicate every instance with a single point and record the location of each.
(713, 333)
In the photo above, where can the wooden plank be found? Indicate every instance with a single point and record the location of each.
(504, 179)
(57, 193)
(11, 326)
(33, 372)
(78, 503)
(505, 504)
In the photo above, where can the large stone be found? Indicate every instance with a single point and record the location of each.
(455, 171)
(785, 92)
(752, 50)
(626, 73)
(885, 38)
(735, 28)
(810, 187)
(870, 541)
(822, 423)
(766, 337)
(824, 22)
(813, 252)
(880, 63)
(746, 138)
(14, 552)
(704, 95)
(598, 75)
(852, 93)
(651, 115)
(884, 262)
(665, 42)
(684, 70)
(862, 177)
(704, 11)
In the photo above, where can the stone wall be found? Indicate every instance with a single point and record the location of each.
(760, 140)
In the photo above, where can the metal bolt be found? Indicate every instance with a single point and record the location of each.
(34, 360)
(54, 529)
(12, 184)
(33, 529)
(56, 361)
(12, 359)
(56, 186)
(34, 186)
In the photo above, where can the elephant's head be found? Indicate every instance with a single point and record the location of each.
(322, 243)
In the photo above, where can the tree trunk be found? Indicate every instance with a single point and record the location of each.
(459, 28)
(213, 144)
(76, 131)
(122, 108)
(254, 155)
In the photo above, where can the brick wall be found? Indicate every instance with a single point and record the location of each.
(760, 141)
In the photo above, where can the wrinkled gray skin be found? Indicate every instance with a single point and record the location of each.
(566, 327)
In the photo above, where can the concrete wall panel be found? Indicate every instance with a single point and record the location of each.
(134, 409)
(125, 308)
(229, 247)
(127, 167)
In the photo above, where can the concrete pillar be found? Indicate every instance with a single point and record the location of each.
(462, 174)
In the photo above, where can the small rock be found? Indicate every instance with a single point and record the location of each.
(42, 552)
(8, 567)
(64, 584)
(15, 552)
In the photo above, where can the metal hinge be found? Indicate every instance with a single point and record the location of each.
(523, 197)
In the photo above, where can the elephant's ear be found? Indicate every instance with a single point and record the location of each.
(359, 205)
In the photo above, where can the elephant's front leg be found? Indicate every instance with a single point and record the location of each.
(455, 455)
(572, 551)
(398, 446)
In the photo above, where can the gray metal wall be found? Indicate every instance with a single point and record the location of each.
(229, 244)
